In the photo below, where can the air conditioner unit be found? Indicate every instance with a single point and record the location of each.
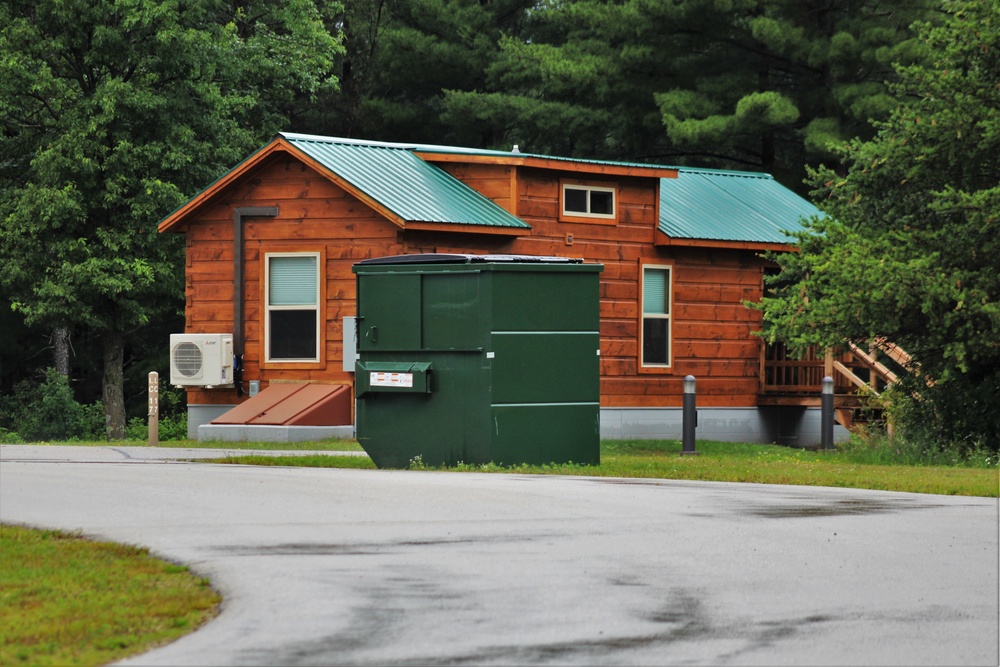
(201, 360)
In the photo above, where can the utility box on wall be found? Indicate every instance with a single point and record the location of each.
(478, 359)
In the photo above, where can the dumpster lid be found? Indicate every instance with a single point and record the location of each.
(457, 258)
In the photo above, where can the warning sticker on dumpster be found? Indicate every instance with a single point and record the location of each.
(390, 379)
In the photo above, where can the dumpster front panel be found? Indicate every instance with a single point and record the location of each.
(391, 317)
(395, 427)
(392, 377)
(478, 361)
(453, 316)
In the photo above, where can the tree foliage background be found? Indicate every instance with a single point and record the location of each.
(116, 111)
(910, 251)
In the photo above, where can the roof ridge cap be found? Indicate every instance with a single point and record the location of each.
(726, 172)
(295, 136)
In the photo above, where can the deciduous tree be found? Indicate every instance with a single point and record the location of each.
(114, 112)
(910, 251)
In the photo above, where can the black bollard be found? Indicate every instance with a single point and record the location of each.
(690, 417)
(826, 414)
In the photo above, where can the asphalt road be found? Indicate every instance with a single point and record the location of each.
(360, 567)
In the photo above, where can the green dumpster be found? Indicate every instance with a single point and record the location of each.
(478, 359)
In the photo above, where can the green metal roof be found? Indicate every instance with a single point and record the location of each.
(400, 181)
(703, 204)
(460, 150)
(721, 205)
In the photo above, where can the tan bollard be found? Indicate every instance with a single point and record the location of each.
(154, 409)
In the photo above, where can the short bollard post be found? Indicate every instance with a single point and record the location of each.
(826, 414)
(690, 417)
(154, 409)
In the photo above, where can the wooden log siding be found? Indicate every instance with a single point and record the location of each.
(315, 215)
(711, 328)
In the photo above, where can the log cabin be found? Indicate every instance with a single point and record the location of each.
(681, 250)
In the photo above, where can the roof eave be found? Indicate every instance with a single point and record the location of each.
(168, 223)
(279, 144)
(663, 239)
(467, 228)
(517, 160)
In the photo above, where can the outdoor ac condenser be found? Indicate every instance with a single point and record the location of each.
(201, 360)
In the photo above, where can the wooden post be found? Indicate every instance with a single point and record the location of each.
(872, 377)
(154, 409)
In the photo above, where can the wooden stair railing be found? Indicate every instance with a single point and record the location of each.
(846, 416)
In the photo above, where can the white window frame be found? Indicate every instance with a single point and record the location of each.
(668, 316)
(268, 308)
(589, 189)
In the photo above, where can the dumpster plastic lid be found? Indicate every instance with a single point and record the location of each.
(455, 258)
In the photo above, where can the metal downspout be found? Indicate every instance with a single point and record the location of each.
(239, 214)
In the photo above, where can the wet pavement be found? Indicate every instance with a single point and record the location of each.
(366, 567)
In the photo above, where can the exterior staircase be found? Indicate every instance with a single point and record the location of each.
(860, 376)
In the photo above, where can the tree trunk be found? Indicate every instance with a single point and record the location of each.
(60, 350)
(113, 393)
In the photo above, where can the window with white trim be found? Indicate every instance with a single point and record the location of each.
(291, 327)
(588, 201)
(656, 320)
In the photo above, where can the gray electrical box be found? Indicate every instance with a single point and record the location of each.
(350, 339)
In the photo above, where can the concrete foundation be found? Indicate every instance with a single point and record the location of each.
(792, 426)
(260, 433)
(203, 414)
(199, 428)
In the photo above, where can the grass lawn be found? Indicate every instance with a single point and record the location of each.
(65, 600)
(330, 444)
(854, 467)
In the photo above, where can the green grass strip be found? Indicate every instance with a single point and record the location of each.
(330, 445)
(723, 462)
(310, 461)
(66, 600)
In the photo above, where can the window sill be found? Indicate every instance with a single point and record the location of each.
(589, 219)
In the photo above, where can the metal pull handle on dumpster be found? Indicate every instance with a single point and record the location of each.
(372, 335)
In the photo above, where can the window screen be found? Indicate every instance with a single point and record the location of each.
(292, 307)
(292, 281)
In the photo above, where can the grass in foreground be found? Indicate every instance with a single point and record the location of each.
(329, 445)
(65, 600)
(724, 462)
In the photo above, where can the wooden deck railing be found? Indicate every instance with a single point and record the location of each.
(781, 373)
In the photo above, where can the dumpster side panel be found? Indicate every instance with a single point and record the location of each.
(546, 433)
(540, 300)
(546, 367)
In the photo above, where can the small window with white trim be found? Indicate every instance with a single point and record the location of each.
(292, 289)
(656, 319)
(588, 201)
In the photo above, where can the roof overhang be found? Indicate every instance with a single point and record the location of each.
(169, 223)
(281, 145)
(457, 228)
(662, 239)
(559, 164)
(278, 145)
